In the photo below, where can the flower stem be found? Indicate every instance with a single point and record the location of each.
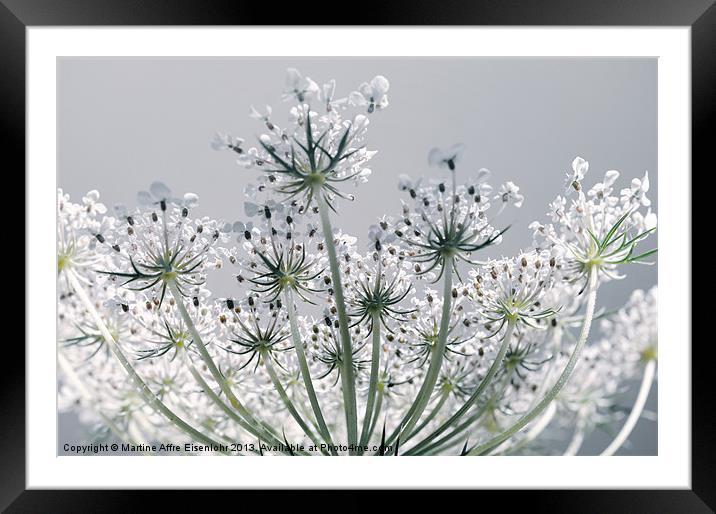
(575, 444)
(561, 381)
(376, 413)
(438, 406)
(373, 385)
(347, 374)
(636, 410)
(431, 376)
(496, 364)
(269, 438)
(206, 357)
(305, 372)
(446, 441)
(144, 390)
(536, 429)
(266, 358)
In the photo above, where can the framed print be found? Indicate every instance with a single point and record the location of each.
(440, 237)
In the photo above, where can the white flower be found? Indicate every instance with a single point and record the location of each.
(227, 142)
(406, 183)
(509, 193)
(373, 95)
(604, 189)
(92, 203)
(557, 208)
(411, 343)
(579, 170)
(263, 116)
(160, 194)
(301, 88)
(636, 194)
(598, 231)
(379, 234)
(446, 158)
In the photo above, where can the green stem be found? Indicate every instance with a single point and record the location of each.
(269, 438)
(347, 374)
(373, 385)
(444, 442)
(540, 425)
(378, 407)
(206, 357)
(305, 371)
(561, 381)
(144, 389)
(286, 400)
(438, 406)
(431, 377)
(496, 364)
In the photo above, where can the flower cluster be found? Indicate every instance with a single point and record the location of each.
(414, 342)
(599, 231)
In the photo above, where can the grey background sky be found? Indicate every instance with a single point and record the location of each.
(123, 123)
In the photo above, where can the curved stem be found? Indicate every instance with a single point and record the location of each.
(373, 385)
(542, 423)
(561, 381)
(286, 400)
(509, 447)
(496, 364)
(144, 390)
(347, 374)
(445, 442)
(269, 438)
(434, 412)
(636, 410)
(431, 377)
(575, 444)
(203, 352)
(206, 357)
(305, 371)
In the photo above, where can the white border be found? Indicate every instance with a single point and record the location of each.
(672, 466)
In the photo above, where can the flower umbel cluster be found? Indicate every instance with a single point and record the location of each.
(417, 341)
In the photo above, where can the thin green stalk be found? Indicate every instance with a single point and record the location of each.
(496, 364)
(347, 374)
(373, 385)
(561, 381)
(536, 429)
(469, 422)
(203, 352)
(305, 371)
(444, 395)
(269, 438)
(546, 418)
(431, 377)
(206, 357)
(144, 389)
(378, 407)
(266, 358)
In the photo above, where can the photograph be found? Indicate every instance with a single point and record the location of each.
(357, 256)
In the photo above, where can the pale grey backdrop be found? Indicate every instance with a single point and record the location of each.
(123, 123)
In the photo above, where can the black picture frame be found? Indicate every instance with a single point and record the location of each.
(16, 15)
